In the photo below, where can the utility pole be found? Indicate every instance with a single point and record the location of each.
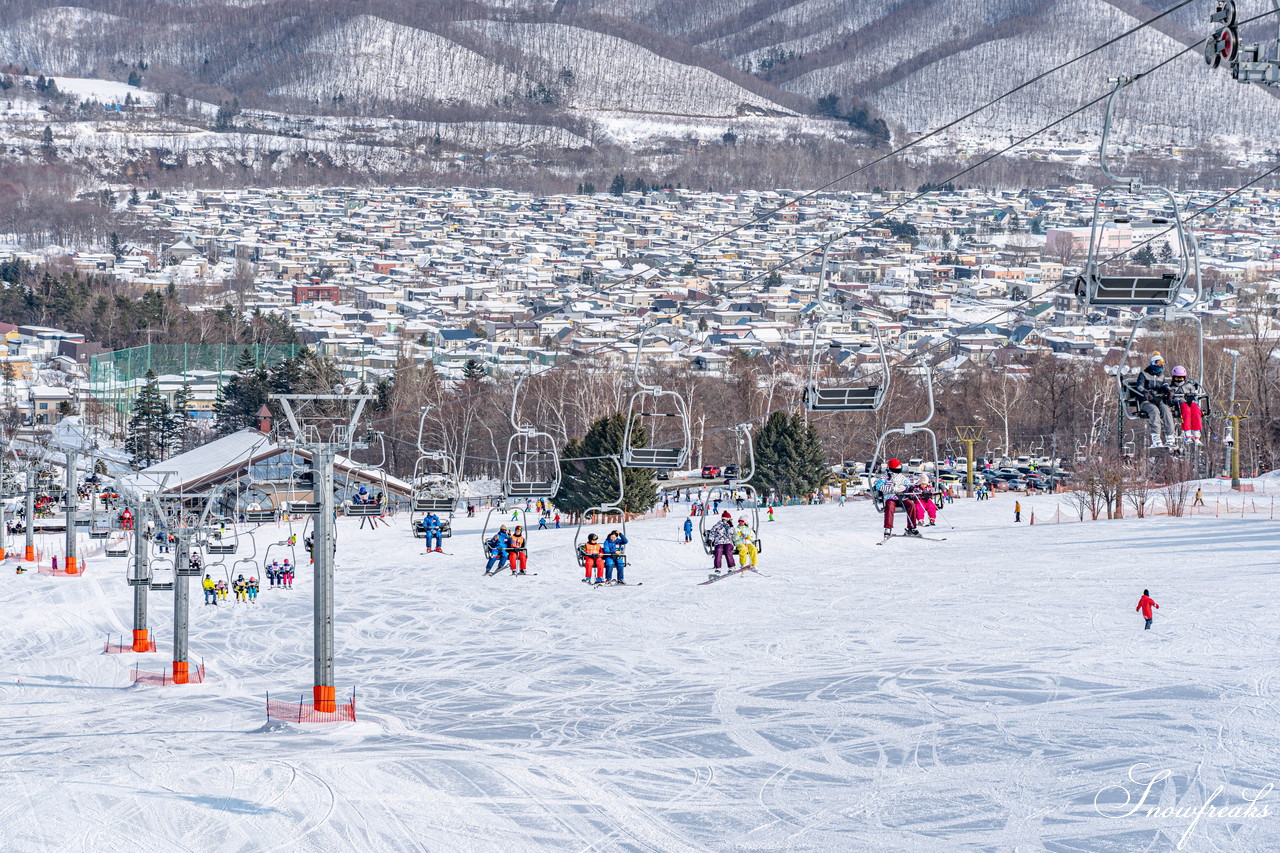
(969, 436)
(309, 433)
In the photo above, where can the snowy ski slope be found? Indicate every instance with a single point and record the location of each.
(971, 694)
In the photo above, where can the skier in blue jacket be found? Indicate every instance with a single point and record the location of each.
(688, 530)
(431, 529)
(496, 548)
(614, 555)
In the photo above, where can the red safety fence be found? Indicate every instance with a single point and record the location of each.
(303, 712)
(195, 675)
(58, 572)
(110, 648)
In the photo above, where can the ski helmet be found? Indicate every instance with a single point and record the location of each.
(592, 537)
(1180, 371)
(895, 465)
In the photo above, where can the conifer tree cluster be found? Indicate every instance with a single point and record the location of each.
(241, 399)
(595, 482)
(157, 430)
(789, 456)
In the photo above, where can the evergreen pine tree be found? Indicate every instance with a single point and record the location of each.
(148, 425)
(595, 482)
(473, 373)
(789, 456)
(619, 185)
(1144, 256)
(133, 196)
(241, 398)
(179, 423)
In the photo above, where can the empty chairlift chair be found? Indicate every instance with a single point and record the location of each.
(532, 467)
(1107, 281)
(830, 388)
(664, 415)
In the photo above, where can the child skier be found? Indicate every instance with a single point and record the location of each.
(240, 588)
(273, 571)
(286, 574)
(744, 538)
(925, 504)
(593, 558)
(496, 550)
(896, 487)
(615, 558)
(688, 530)
(1145, 604)
(221, 588)
(517, 552)
(1185, 394)
(721, 536)
(252, 588)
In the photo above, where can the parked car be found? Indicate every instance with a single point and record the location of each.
(664, 474)
(731, 471)
(711, 470)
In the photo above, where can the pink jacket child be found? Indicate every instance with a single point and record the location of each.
(1145, 604)
(924, 500)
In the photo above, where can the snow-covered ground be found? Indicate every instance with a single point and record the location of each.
(994, 691)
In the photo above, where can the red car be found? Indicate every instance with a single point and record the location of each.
(711, 470)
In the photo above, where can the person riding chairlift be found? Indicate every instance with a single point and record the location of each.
(1185, 393)
(896, 488)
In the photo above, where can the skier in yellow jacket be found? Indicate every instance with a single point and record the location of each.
(744, 538)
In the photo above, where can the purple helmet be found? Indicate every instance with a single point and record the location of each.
(1180, 371)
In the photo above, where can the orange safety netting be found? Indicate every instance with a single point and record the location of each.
(302, 712)
(195, 675)
(60, 573)
(110, 648)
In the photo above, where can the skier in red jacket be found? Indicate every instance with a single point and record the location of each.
(1145, 604)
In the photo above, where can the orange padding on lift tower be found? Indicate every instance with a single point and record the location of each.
(30, 556)
(326, 700)
(179, 672)
(71, 567)
(300, 712)
(142, 640)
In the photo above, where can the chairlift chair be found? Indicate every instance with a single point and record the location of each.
(905, 430)
(844, 396)
(119, 548)
(608, 508)
(162, 573)
(1098, 287)
(214, 546)
(654, 404)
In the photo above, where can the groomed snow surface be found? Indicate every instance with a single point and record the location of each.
(972, 694)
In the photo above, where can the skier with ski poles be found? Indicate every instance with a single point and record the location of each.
(896, 489)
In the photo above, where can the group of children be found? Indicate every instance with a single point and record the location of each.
(281, 576)
(506, 547)
(605, 558)
(726, 540)
(245, 590)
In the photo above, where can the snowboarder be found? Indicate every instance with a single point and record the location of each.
(615, 555)
(210, 591)
(496, 550)
(688, 530)
(431, 531)
(744, 539)
(896, 486)
(1154, 391)
(1185, 394)
(721, 539)
(517, 552)
(593, 557)
(1144, 605)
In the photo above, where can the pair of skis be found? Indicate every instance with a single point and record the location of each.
(905, 536)
(712, 578)
(513, 574)
(609, 583)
